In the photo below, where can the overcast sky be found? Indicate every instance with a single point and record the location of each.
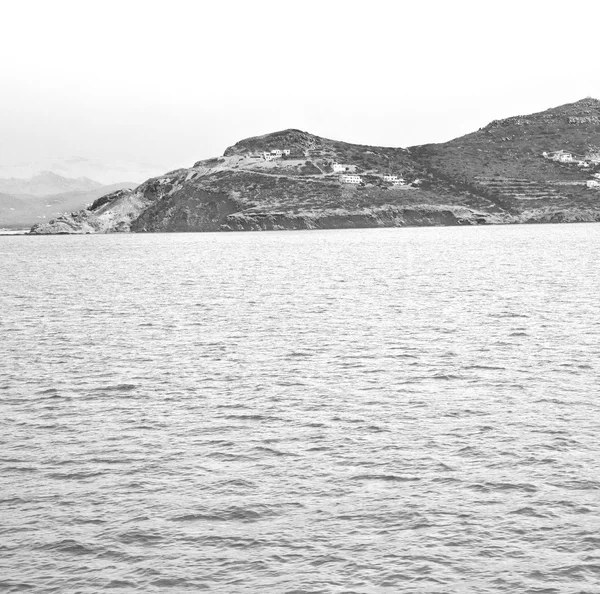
(174, 82)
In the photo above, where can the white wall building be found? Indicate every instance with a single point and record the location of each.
(338, 167)
(276, 154)
(560, 156)
(563, 157)
(593, 183)
(350, 179)
(390, 178)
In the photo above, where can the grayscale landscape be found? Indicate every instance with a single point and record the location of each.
(299, 298)
(541, 168)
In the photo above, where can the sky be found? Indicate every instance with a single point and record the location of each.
(173, 82)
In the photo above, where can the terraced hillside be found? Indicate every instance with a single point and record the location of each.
(511, 151)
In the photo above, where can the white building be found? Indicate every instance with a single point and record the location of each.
(390, 178)
(560, 156)
(399, 182)
(593, 183)
(276, 154)
(350, 179)
(563, 157)
(338, 167)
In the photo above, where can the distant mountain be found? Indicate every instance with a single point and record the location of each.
(542, 167)
(46, 183)
(23, 210)
(104, 172)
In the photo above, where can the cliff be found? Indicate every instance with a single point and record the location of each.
(495, 175)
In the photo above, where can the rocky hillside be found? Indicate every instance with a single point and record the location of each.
(295, 180)
(505, 159)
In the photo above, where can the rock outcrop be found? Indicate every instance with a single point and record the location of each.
(108, 214)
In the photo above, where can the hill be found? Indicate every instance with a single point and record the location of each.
(523, 169)
(505, 160)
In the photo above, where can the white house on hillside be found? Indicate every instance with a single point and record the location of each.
(338, 167)
(275, 154)
(560, 156)
(350, 179)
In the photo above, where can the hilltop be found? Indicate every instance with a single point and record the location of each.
(535, 168)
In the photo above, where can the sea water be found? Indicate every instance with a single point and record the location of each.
(393, 410)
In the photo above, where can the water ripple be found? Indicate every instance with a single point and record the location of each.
(405, 410)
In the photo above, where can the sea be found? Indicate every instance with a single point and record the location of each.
(409, 410)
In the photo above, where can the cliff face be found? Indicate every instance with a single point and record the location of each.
(495, 175)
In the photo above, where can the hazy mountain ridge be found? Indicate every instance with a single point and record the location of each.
(104, 172)
(46, 183)
(495, 175)
(24, 210)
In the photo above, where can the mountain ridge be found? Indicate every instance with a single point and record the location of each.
(45, 183)
(106, 172)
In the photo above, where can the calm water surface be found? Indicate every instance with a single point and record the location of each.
(402, 410)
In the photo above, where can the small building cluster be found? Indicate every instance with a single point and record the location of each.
(559, 156)
(276, 154)
(338, 167)
(591, 158)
